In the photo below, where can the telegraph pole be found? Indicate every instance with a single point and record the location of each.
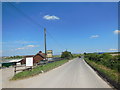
(45, 42)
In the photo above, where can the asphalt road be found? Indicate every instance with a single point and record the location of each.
(74, 74)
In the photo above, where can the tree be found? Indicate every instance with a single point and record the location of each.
(85, 53)
(66, 54)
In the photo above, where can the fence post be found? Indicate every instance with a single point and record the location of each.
(15, 69)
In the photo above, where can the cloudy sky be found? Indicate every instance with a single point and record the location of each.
(77, 27)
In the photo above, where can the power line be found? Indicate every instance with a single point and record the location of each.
(33, 21)
(28, 17)
(54, 39)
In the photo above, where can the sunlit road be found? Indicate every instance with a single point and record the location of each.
(74, 74)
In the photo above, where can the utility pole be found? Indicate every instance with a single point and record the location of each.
(45, 42)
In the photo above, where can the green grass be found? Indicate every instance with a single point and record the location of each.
(37, 70)
(57, 56)
(112, 74)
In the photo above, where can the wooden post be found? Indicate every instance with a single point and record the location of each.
(15, 69)
(45, 42)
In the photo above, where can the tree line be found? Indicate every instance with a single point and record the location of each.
(14, 57)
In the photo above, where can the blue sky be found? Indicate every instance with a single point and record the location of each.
(77, 27)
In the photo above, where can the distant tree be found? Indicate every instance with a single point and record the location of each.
(85, 53)
(76, 55)
(14, 57)
(66, 54)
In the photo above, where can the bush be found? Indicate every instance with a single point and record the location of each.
(66, 55)
(112, 62)
(76, 55)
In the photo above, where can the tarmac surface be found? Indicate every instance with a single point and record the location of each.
(73, 74)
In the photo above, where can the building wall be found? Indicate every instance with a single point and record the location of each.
(37, 59)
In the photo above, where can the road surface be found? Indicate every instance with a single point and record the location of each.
(74, 74)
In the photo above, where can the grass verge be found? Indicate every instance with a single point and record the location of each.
(112, 75)
(37, 70)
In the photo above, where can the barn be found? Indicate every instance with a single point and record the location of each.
(36, 58)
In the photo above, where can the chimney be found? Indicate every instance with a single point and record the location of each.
(40, 52)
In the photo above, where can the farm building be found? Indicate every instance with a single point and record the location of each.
(10, 63)
(36, 58)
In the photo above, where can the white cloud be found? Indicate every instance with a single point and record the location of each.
(116, 32)
(17, 42)
(94, 36)
(20, 48)
(30, 46)
(27, 47)
(113, 49)
(52, 17)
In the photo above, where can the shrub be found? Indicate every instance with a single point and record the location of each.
(66, 55)
(112, 62)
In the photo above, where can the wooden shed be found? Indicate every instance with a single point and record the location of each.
(36, 58)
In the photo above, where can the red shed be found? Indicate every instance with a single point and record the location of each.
(36, 58)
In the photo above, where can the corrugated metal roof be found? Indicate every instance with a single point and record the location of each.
(15, 60)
